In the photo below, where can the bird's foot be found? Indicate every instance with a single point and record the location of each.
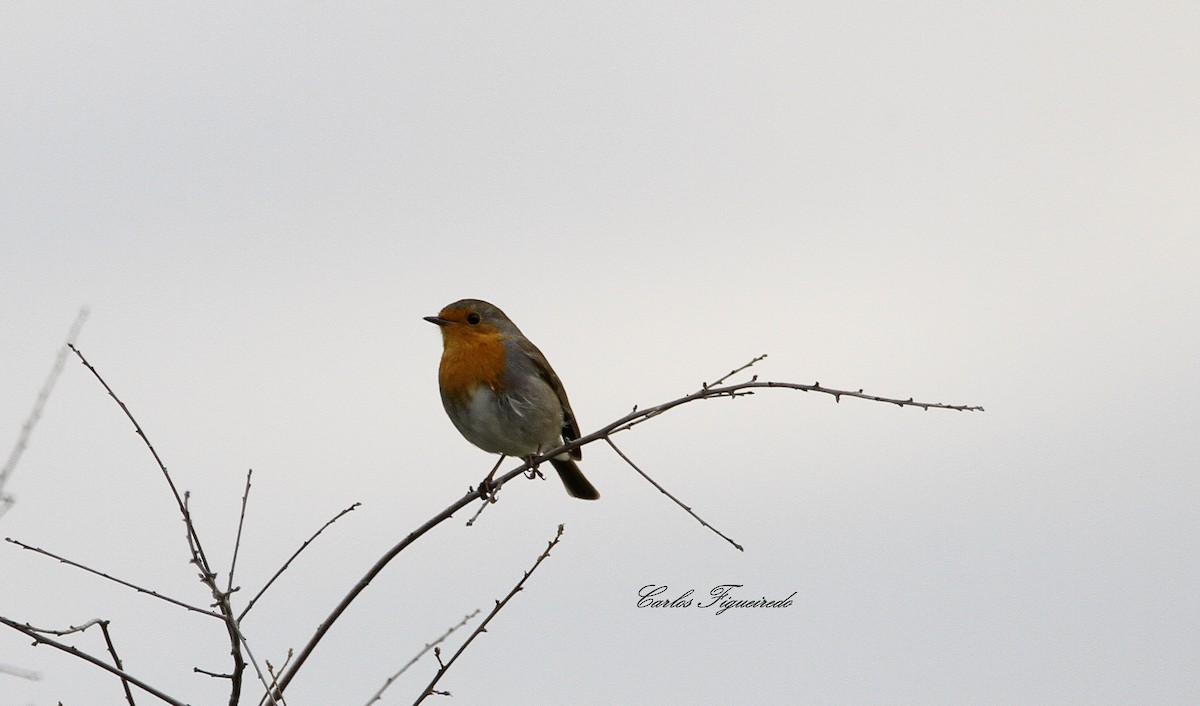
(487, 490)
(533, 472)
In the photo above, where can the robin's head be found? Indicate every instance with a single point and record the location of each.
(468, 319)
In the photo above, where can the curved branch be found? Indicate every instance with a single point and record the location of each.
(146, 440)
(292, 558)
(637, 416)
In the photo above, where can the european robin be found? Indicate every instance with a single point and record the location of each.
(501, 393)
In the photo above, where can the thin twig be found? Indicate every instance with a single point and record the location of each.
(429, 646)
(483, 625)
(39, 405)
(237, 542)
(733, 372)
(257, 670)
(665, 492)
(221, 602)
(39, 638)
(292, 558)
(69, 630)
(146, 440)
(738, 389)
(112, 650)
(275, 674)
(640, 415)
(127, 584)
(479, 510)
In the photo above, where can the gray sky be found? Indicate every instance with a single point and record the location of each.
(958, 202)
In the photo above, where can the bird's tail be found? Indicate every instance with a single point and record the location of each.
(577, 485)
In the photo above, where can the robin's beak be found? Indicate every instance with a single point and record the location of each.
(437, 320)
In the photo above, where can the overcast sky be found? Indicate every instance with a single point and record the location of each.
(958, 202)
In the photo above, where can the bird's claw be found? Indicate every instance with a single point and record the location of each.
(487, 490)
(534, 473)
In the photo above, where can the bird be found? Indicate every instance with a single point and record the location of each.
(501, 393)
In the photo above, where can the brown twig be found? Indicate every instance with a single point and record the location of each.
(139, 589)
(112, 650)
(198, 549)
(237, 542)
(275, 674)
(640, 415)
(429, 646)
(257, 670)
(292, 558)
(676, 500)
(483, 625)
(733, 372)
(739, 389)
(221, 602)
(479, 510)
(69, 630)
(40, 638)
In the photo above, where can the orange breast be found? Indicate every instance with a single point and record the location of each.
(471, 360)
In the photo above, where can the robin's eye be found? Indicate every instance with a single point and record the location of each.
(473, 318)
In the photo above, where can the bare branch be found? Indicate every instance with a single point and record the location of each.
(221, 602)
(69, 630)
(112, 650)
(483, 626)
(429, 646)
(733, 372)
(237, 640)
(40, 638)
(197, 550)
(139, 589)
(669, 495)
(738, 389)
(275, 673)
(635, 417)
(292, 558)
(482, 506)
(136, 427)
(237, 543)
(257, 670)
(640, 415)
